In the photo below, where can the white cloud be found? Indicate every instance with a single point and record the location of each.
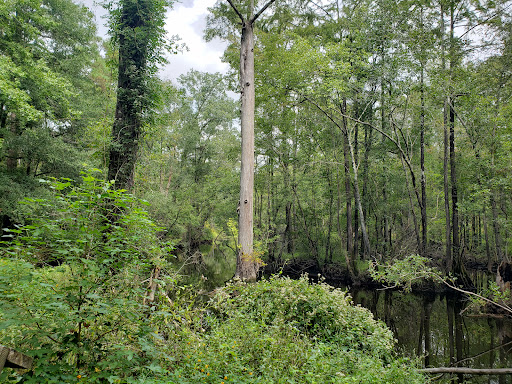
(188, 20)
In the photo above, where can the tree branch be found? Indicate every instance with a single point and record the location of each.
(261, 10)
(236, 11)
(492, 302)
(468, 371)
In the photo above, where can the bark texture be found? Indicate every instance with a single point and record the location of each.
(247, 264)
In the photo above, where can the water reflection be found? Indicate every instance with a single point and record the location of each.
(432, 327)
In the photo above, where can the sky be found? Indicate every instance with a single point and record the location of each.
(188, 20)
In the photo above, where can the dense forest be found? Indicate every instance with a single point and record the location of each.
(381, 128)
(370, 130)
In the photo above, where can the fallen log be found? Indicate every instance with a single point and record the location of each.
(469, 371)
(9, 358)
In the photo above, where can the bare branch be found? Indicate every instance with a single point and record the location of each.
(261, 10)
(236, 11)
(468, 371)
(492, 302)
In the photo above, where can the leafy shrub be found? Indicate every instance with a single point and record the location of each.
(71, 287)
(317, 311)
(290, 331)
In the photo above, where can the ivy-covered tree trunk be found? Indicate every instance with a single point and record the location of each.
(127, 126)
(138, 29)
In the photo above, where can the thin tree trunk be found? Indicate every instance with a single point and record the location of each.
(415, 221)
(456, 252)
(356, 159)
(458, 267)
(448, 255)
(496, 228)
(448, 245)
(357, 195)
(328, 254)
(348, 193)
(387, 227)
(11, 161)
(348, 259)
(312, 245)
(368, 133)
(423, 181)
(287, 235)
(387, 237)
(487, 246)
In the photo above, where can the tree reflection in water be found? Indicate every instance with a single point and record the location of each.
(436, 328)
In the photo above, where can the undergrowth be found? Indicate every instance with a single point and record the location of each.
(72, 286)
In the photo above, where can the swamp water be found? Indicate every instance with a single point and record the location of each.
(431, 326)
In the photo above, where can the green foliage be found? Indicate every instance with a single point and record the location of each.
(318, 311)
(71, 283)
(404, 272)
(44, 48)
(71, 287)
(189, 164)
(47, 91)
(416, 269)
(493, 292)
(14, 188)
(286, 331)
(141, 22)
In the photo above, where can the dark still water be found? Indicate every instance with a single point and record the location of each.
(431, 326)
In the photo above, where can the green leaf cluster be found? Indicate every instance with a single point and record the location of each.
(71, 286)
(290, 331)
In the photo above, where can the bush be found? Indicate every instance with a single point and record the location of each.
(71, 287)
(290, 331)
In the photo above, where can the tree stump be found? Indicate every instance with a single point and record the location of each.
(9, 358)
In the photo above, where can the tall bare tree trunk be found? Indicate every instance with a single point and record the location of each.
(367, 146)
(356, 159)
(496, 229)
(349, 260)
(357, 195)
(348, 189)
(454, 192)
(448, 255)
(423, 181)
(247, 264)
(446, 187)
(348, 198)
(458, 267)
(411, 204)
